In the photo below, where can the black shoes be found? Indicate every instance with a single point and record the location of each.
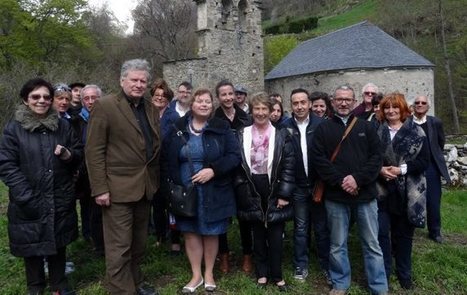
(146, 289)
(437, 239)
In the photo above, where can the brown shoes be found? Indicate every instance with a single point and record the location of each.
(224, 263)
(247, 265)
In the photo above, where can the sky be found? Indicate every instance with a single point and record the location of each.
(121, 9)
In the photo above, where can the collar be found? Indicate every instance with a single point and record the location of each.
(304, 122)
(84, 113)
(343, 119)
(420, 121)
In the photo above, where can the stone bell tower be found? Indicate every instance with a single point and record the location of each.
(230, 46)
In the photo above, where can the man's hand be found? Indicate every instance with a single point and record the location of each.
(350, 185)
(103, 199)
(203, 176)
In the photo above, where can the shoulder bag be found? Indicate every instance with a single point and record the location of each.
(183, 200)
(318, 190)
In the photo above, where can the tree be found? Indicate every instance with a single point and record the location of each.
(165, 30)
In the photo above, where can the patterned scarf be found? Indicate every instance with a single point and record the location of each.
(405, 147)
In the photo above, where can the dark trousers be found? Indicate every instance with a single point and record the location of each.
(85, 210)
(97, 233)
(160, 218)
(246, 236)
(35, 275)
(223, 244)
(433, 200)
(267, 250)
(321, 232)
(125, 236)
(396, 233)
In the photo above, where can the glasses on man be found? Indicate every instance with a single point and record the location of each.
(369, 93)
(89, 98)
(343, 99)
(421, 102)
(38, 96)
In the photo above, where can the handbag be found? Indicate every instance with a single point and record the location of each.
(318, 190)
(183, 200)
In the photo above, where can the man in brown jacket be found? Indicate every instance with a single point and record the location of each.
(122, 156)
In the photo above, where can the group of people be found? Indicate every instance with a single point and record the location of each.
(247, 159)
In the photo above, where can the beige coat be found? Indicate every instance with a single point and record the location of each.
(115, 151)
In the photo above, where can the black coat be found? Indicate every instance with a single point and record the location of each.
(282, 183)
(41, 212)
(360, 156)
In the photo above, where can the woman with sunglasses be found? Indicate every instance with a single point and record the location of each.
(38, 155)
(365, 109)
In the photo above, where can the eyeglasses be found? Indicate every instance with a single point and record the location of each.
(343, 99)
(368, 93)
(38, 96)
(185, 92)
(420, 102)
(92, 97)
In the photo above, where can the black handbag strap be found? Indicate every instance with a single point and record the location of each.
(180, 134)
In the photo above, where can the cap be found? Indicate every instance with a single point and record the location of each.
(240, 88)
(76, 84)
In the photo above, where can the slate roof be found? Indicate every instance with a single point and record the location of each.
(359, 46)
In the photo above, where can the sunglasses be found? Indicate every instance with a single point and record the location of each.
(368, 93)
(421, 102)
(38, 96)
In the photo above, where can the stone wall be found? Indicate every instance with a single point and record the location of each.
(456, 160)
(410, 82)
(230, 46)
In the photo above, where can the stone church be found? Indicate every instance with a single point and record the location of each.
(354, 55)
(230, 46)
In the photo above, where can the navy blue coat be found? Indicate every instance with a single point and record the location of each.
(222, 154)
(436, 140)
(169, 117)
(301, 178)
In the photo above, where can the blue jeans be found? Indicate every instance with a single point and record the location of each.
(301, 234)
(366, 216)
(320, 229)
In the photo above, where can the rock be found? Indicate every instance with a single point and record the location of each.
(462, 161)
(464, 182)
(448, 147)
(452, 154)
(465, 146)
(454, 175)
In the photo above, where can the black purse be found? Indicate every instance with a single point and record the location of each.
(183, 200)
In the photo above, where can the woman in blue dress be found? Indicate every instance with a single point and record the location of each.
(202, 150)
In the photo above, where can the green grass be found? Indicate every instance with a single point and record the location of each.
(437, 269)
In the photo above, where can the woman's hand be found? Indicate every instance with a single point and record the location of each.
(62, 152)
(203, 176)
(281, 203)
(388, 172)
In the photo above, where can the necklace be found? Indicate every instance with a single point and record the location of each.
(196, 130)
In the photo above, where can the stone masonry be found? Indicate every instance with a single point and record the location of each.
(230, 46)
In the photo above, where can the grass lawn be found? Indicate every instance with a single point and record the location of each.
(437, 269)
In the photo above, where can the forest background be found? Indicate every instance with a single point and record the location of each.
(68, 41)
